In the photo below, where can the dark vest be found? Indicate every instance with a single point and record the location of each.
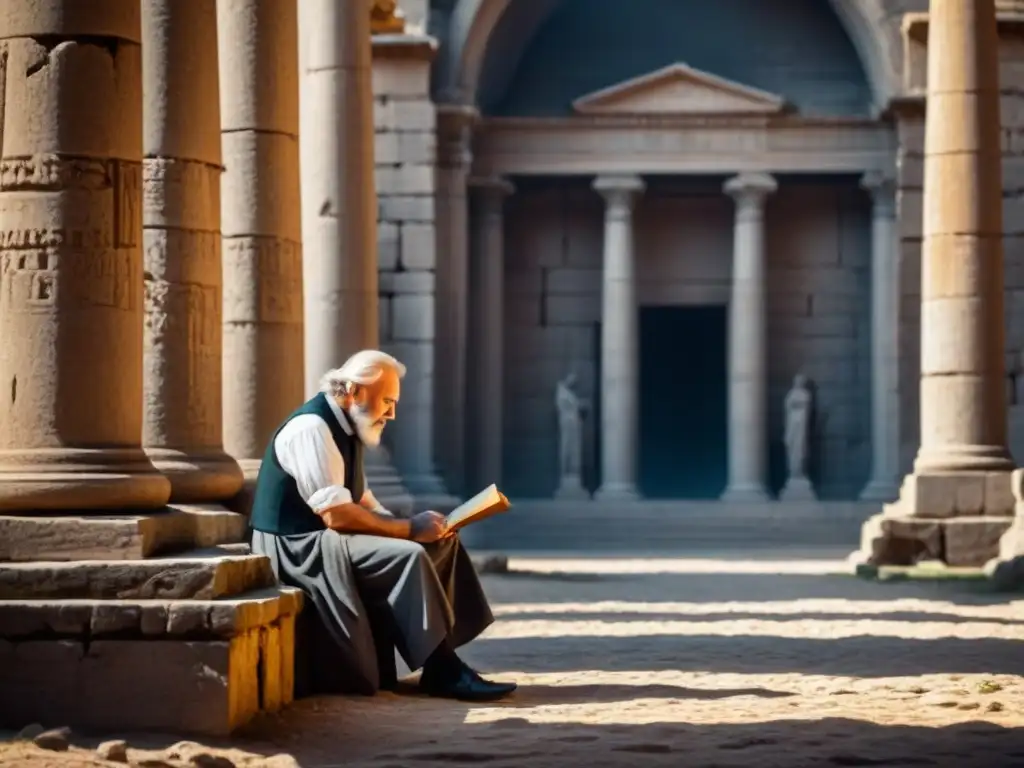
(277, 506)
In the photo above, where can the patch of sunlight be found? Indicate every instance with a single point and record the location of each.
(681, 565)
(800, 629)
(1008, 611)
(598, 697)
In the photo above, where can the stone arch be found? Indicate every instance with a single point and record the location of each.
(472, 24)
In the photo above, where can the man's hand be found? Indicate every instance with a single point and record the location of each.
(426, 527)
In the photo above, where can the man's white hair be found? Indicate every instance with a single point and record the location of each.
(362, 369)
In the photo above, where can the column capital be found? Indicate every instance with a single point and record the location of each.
(619, 190)
(455, 124)
(881, 185)
(750, 187)
(492, 186)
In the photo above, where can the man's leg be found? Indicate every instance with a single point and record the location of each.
(402, 575)
(462, 588)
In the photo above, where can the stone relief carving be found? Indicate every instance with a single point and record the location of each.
(799, 411)
(571, 409)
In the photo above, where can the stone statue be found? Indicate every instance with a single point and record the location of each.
(799, 406)
(570, 410)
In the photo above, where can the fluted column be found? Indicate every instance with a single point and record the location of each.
(619, 340)
(182, 423)
(748, 358)
(71, 304)
(339, 203)
(454, 130)
(963, 398)
(884, 482)
(263, 355)
(487, 330)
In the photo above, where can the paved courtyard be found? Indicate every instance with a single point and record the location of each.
(690, 662)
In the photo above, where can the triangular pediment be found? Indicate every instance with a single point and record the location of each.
(679, 90)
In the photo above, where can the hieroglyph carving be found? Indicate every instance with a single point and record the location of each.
(127, 179)
(275, 267)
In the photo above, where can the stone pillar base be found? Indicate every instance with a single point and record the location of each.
(571, 489)
(745, 494)
(617, 493)
(957, 518)
(798, 489)
(80, 479)
(197, 478)
(1006, 569)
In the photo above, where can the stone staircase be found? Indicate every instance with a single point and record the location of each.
(159, 621)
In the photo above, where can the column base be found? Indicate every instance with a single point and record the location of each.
(571, 489)
(80, 479)
(242, 501)
(198, 477)
(1006, 569)
(956, 518)
(880, 490)
(617, 492)
(798, 489)
(746, 494)
(963, 459)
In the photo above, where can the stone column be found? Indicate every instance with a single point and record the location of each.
(454, 130)
(71, 304)
(958, 500)
(884, 482)
(339, 203)
(619, 341)
(263, 356)
(182, 427)
(748, 337)
(487, 331)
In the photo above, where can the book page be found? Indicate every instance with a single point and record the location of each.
(488, 502)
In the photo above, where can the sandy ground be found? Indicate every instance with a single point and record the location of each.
(710, 663)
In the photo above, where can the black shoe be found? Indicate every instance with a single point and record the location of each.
(467, 685)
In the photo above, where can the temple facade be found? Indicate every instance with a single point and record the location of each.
(739, 196)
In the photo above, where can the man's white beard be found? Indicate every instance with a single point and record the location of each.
(368, 431)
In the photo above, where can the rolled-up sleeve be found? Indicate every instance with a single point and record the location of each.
(306, 450)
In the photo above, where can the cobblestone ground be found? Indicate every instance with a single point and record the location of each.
(689, 662)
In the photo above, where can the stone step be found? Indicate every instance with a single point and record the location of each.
(176, 528)
(201, 667)
(203, 575)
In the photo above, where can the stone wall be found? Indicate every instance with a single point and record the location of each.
(405, 122)
(818, 242)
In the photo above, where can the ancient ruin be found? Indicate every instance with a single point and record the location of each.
(206, 204)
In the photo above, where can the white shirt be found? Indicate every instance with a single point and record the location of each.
(306, 450)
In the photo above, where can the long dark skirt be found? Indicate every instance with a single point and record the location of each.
(372, 594)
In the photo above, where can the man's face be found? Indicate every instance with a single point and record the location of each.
(373, 406)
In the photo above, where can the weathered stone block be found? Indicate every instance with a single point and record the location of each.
(407, 282)
(973, 541)
(201, 578)
(401, 77)
(177, 528)
(418, 246)
(404, 179)
(402, 208)
(415, 114)
(412, 317)
(387, 245)
(208, 688)
(417, 148)
(891, 539)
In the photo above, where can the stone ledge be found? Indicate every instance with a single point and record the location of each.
(205, 577)
(889, 539)
(203, 688)
(108, 537)
(146, 619)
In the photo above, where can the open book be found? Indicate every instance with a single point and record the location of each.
(490, 501)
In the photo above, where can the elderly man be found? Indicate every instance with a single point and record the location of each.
(360, 566)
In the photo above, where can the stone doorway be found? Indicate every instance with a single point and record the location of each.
(683, 436)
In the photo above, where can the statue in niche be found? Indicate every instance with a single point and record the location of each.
(799, 406)
(571, 409)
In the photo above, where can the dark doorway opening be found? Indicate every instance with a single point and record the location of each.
(683, 402)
